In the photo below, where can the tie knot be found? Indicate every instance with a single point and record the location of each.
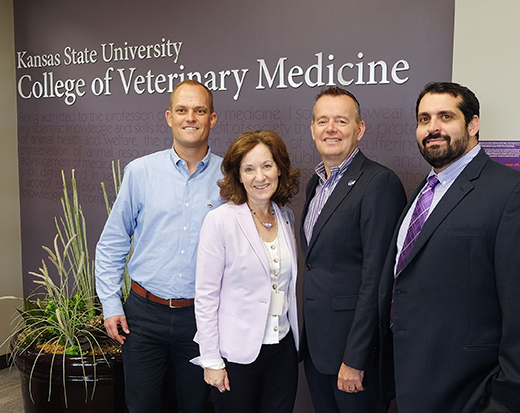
(432, 182)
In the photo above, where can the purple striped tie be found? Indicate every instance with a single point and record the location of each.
(419, 215)
(418, 218)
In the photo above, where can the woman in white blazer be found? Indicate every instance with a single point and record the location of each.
(245, 295)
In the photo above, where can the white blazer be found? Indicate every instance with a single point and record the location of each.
(233, 285)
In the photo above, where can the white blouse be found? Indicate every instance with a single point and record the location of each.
(280, 267)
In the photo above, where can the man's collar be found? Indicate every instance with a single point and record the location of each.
(335, 170)
(453, 170)
(176, 158)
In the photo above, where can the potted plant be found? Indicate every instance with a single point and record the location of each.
(59, 343)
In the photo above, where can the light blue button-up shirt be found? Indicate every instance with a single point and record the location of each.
(162, 206)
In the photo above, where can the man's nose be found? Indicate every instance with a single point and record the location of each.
(190, 115)
(434, 126)
(331, 126)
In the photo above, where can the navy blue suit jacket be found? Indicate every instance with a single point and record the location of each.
(456, 334)
(343, 264)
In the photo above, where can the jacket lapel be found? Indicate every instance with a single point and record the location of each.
(459, 189)
(247, 225)
(341, 191)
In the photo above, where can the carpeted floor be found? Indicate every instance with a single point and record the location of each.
(10, 393)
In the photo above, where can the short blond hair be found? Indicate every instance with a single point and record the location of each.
(192, 82)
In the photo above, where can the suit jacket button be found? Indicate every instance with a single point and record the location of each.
(308, 267)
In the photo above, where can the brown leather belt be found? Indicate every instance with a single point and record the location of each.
(172, 303)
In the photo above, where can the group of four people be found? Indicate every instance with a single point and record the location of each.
(416, 300)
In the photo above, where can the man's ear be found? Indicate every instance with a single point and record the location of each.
(473, 126)
(212, 120)
(168, 116)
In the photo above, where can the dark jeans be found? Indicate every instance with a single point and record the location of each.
(267, 385)
(160, 335)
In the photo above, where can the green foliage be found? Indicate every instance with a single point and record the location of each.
(72, 229)
(68, 318)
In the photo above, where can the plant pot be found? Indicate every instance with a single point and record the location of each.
(89, 385)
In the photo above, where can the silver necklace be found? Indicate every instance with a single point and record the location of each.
(265, 224)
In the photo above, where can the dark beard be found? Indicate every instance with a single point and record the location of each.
(439, 157)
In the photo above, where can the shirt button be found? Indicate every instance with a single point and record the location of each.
(182, 252)
(276, 273)
(273, 247)
(180, 275)
(275, 328)
(274, 286)
(184, 228)
(187, 204)
(276, 260)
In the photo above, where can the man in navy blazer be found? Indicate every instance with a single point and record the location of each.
(352, 206)
(450, 312)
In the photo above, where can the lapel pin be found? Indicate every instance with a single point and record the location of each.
(351, 182)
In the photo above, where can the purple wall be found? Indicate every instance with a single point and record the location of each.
(94, 78)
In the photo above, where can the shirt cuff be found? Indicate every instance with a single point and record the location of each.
(112, 307)
(213, 364)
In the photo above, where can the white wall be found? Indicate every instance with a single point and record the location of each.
(10, 243)
(487, 60)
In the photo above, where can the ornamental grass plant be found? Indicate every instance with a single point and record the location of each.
(64, 316)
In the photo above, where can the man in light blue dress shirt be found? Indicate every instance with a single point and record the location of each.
(163, 200)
